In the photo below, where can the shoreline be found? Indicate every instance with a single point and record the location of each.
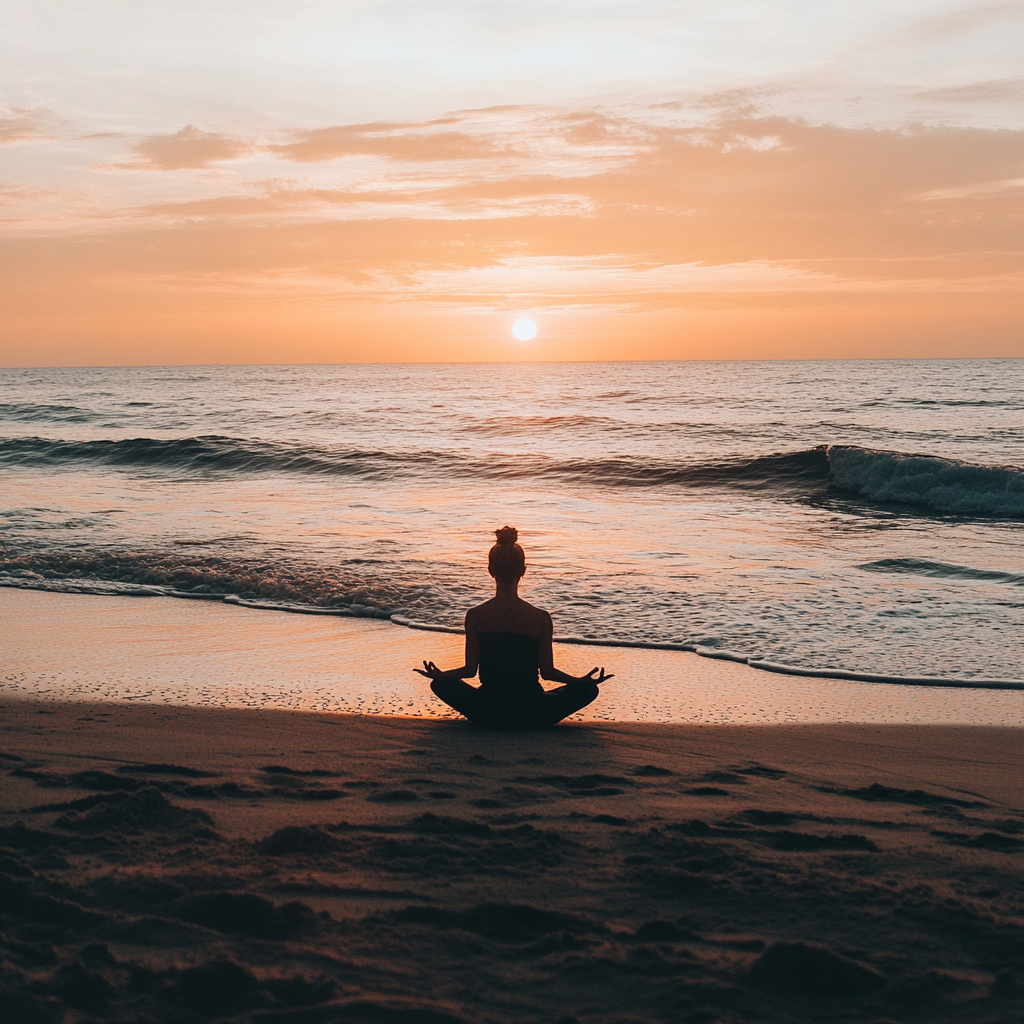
(97, 589)
(216, 839)
(178, 652)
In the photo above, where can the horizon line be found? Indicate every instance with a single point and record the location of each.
(518, 362)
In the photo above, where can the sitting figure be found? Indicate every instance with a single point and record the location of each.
(509, 641)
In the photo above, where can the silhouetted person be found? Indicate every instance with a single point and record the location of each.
(510, 641)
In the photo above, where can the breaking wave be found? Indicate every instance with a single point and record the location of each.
(941, 485)
(931, 483)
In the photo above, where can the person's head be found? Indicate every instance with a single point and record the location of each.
(506, 561)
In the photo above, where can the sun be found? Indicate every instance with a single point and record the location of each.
(524, 330)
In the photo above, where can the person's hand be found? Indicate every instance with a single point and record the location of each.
(430, 670)
(589, 677)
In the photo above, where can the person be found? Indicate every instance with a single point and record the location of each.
(509, 641)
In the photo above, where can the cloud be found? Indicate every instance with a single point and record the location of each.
(569, 210)
(417, 142)
(538, 196)
(740, 188)
(20, 125)
(279, 196)
(970, 17)
(974, 189)
(12, 192)
(993, 91)
(187, 149)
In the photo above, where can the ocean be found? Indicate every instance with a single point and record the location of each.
(860, 516)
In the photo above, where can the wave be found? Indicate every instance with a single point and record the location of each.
(940, 485)
(31, 412)
(921, 567)
(929, 482)
(196, 455)
(306, 586)
(952, 403)
(215, 453)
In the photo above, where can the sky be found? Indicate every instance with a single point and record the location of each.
(218, 181)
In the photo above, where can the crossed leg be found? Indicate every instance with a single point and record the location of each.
(548, 709)
(565, 701)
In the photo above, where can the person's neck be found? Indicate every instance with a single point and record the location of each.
(506, 590)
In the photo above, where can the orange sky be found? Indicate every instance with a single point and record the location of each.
(869, 210)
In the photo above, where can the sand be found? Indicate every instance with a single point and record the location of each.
(163, 859)
(175, 863)
(162, 650)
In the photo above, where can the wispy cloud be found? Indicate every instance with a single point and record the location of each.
(20, 125)
(546, 209)
(589, 183)
(993, 91)
(417, 142)
(189, 148)
(974, 189)
(970, 17)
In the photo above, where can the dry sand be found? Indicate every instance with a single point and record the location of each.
(186, 836)
(185, 864)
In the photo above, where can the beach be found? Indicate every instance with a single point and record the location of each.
(227, 797)
(168, 859)
(209, 653)
(666, 356)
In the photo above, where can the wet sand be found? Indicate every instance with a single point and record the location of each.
(164, 861)
(206, 653)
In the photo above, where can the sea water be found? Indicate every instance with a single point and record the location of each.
(857, 515)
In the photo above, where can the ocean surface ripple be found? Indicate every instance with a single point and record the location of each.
(860, 516)
(888, 478)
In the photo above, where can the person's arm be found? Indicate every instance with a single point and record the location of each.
(466, 671)
(546, 661)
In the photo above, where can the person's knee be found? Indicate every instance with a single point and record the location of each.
(580, 696)
(443, 688)
(451, 693)
(569, 700)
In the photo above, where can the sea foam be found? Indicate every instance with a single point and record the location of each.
(942, 485)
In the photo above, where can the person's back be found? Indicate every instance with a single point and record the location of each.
(509, 663)
(509, 641)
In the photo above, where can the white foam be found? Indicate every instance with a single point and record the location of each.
(721, 655)
(430, 627)
(944, 485)
(33, 581)
(872, 677)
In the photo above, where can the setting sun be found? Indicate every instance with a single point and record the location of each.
(524, 330)
(358, 187)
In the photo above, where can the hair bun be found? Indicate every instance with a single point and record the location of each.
(507, 536)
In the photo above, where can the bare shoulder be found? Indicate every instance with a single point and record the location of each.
(474, 615)
(539, 619)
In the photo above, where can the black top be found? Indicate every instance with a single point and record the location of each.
(509, 664)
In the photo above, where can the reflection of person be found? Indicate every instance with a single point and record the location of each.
(509, 641)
